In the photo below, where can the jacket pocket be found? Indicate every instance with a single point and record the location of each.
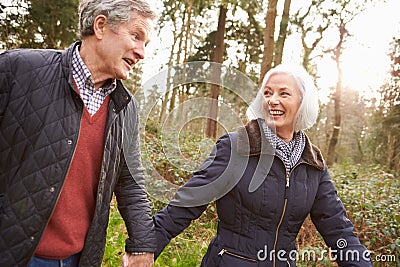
(234, 259)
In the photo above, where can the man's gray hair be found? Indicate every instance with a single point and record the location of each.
(309, 107)
(116, 12)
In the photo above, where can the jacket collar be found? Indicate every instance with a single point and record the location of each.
(251, 142)
(120, 96)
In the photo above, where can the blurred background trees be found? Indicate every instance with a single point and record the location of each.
(383, 141)
(354, 130)
(249, 36)
(38, 23)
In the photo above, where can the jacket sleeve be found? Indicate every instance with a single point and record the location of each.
(329, 216)
(5, 85)
(133, 203)
(173, 219)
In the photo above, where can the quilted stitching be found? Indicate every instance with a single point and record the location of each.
(39, 123)
(34, 147)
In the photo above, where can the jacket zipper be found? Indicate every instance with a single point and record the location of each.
(277, 228)
(284, 207)
(223, 251)
(106, 137)
(284, 204)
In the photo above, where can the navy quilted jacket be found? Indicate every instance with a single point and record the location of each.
(40, 114)
(258, 225)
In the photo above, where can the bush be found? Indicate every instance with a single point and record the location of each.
(371, 197)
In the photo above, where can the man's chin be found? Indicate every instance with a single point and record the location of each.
(123, 75)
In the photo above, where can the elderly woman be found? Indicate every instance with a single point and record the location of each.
(278, 177)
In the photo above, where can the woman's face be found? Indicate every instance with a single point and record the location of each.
(282, 101)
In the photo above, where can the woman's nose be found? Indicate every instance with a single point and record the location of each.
(274, 100)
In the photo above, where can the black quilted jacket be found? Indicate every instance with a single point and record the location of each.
(40, 114)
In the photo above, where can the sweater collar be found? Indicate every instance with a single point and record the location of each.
(251, 141)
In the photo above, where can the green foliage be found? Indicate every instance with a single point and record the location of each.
(383, 138)
(54, 21)
(116, 235)
(188, 248)
(38, 24)
(162, 152)
(11, 18)
(371, 197)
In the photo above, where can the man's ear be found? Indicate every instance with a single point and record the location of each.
(99, 26)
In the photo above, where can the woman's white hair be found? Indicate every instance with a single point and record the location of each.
(308, 110)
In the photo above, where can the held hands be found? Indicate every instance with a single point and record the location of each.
(138, 260)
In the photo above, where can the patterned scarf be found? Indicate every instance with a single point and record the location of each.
(290, 152)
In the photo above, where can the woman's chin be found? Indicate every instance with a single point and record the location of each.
(271, 123)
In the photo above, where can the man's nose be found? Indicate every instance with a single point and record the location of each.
(140, 51)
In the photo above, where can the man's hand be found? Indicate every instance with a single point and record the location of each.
(138, 260)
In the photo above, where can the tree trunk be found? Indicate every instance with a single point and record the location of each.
(167, 94)
(182, 94)
(337, 98)
(336, 125)
(178, 59)
(165, 100)
(282, 33)
(268, 53)
(312, 31)
(211, 128)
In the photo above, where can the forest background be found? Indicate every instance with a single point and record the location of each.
(187, 102)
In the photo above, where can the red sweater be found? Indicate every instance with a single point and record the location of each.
(66, 232)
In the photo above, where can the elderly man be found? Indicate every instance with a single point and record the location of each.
(69, 140)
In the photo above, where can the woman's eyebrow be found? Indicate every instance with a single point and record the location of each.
(285, 87)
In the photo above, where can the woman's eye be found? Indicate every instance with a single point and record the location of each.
(267, 93)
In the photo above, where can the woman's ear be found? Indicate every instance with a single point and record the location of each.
(99, 26)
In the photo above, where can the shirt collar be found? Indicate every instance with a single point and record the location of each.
(83, 77)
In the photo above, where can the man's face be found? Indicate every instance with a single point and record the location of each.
(121, 48)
